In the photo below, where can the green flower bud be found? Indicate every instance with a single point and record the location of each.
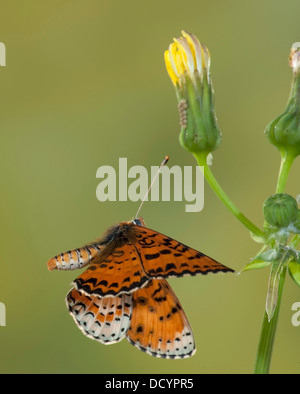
(280, 210)
(188, 64)
(284, 131)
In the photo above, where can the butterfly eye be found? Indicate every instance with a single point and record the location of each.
(138, 222)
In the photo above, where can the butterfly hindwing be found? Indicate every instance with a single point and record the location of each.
(159, 325)
(120, 272)
(163, 257)
(104, 319)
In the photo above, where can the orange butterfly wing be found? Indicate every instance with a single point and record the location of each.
(104, 319)
(159, 325)
(163, 257)
(120, 272)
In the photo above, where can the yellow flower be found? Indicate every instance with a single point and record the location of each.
(186, 55)
(188, 63)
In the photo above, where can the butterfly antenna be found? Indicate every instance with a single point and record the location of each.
(163, 163)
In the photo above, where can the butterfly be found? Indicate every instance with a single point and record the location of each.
(124, 292)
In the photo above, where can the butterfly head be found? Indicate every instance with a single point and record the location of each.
(138, 222)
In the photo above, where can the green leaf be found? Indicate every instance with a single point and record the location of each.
(277, 268)
(261, 260)
(257, 238)
(255, 265)
(294, 270)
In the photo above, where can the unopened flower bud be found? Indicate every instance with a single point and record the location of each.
(280, 210)
(188, 64)
(284, 131)
(294, 58)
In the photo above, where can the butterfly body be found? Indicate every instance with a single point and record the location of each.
(124, 292)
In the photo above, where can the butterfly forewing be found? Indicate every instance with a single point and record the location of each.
(159, 325)
(103, 319)
(120, 272)
(163, 257)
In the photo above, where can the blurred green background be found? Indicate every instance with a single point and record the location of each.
(85, 84)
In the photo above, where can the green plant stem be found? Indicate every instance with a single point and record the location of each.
(286, 163)
(202, 162)
(268, 331)
(267, 335)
